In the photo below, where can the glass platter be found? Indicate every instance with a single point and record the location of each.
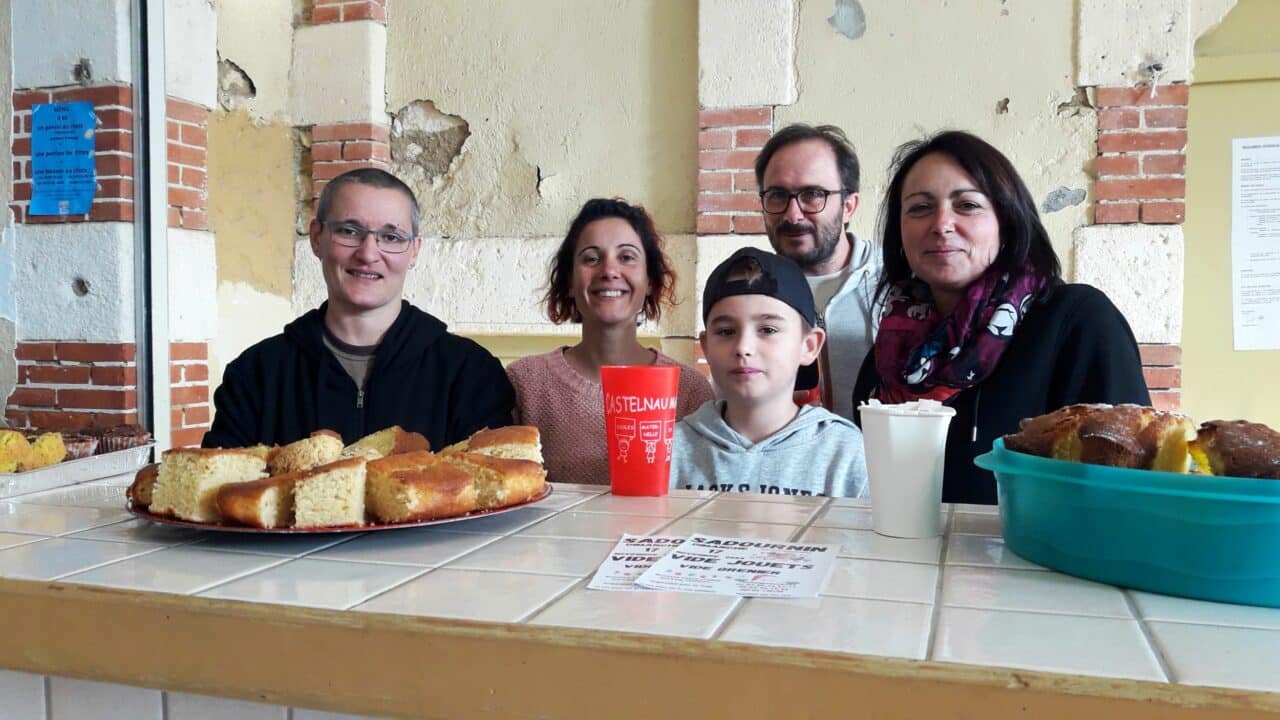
(166, 520)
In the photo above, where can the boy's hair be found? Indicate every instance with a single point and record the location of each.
(751, 271)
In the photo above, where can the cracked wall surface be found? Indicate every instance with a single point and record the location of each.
(257, 36)
(912, 73)
(591, 99)
(253, 171)
(425, 142)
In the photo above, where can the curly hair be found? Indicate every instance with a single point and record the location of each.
(662, 279)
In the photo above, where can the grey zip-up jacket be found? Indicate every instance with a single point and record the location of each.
(818, 453)
(851, 322)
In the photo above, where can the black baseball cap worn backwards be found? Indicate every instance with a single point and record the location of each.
(771, 275)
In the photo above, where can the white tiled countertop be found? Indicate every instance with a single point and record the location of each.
(961, 598)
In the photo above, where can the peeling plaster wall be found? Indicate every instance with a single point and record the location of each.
(251, 211)
(1217, 380)
(258, 37)
(251, 201)
(1208, 14)
(914, 72)
(252, 178)
(596, 98)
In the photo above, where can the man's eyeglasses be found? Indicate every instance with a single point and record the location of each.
(353, 235)
(811, 200)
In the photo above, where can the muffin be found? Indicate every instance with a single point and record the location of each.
(79, 445)
(119, 437)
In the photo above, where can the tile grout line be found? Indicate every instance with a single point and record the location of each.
(87, 568)
(539, 609)
(423, 572)
(1156, 650)
(935, 617)
(239, 576)
(741, 604)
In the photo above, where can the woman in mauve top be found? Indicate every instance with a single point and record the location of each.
(609, 275)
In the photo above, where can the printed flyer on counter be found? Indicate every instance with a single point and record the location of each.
(742, 567)
(629, 559)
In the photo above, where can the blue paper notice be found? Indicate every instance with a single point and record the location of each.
(63, 178)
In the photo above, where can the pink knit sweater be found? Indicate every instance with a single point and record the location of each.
(569, 412)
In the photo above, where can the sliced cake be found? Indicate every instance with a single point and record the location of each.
(517, 442)
(143, 484)
(189, 478)
(389, 441)
(323, 447)
(332, 495)
(499, 481)
(418, 486)
(265, 503)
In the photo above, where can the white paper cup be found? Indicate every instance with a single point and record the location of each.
(906, 446)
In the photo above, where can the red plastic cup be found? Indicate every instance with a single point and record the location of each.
(640, 422)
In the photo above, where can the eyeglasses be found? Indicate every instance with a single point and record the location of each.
(810, 200)
(352, 235)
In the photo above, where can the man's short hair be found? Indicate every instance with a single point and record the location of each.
(834, 137)
(373, 177)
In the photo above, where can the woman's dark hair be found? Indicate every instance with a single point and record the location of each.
(662, 279)
(1023, 239)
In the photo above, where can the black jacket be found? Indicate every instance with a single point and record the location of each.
(1074, 346)
(423, 379)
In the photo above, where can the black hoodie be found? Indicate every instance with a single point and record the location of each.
(1073, 347)
(423, 379)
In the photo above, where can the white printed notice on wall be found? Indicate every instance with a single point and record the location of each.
(1255, 242)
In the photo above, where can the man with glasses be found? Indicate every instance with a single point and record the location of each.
(808, 179)
(366, 359)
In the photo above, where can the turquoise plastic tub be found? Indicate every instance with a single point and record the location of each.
(1211, 538)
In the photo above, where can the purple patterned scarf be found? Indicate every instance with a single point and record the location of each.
(921, 354)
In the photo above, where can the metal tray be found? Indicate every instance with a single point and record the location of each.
(72, 472)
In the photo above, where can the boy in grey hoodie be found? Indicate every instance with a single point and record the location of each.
(760, 329)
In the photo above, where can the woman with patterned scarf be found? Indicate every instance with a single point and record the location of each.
(976, 314)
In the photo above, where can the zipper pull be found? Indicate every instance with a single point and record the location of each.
(360, 398)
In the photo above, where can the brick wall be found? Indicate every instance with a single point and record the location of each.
(1141, 163)
(187, 129)
(333, 11)
(72, 385)
(728, 142)
(189, 392)
(1162, 369)
(113, 151)
(68, 384)
(335, 149)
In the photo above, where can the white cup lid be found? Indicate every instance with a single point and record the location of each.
(914, 408)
